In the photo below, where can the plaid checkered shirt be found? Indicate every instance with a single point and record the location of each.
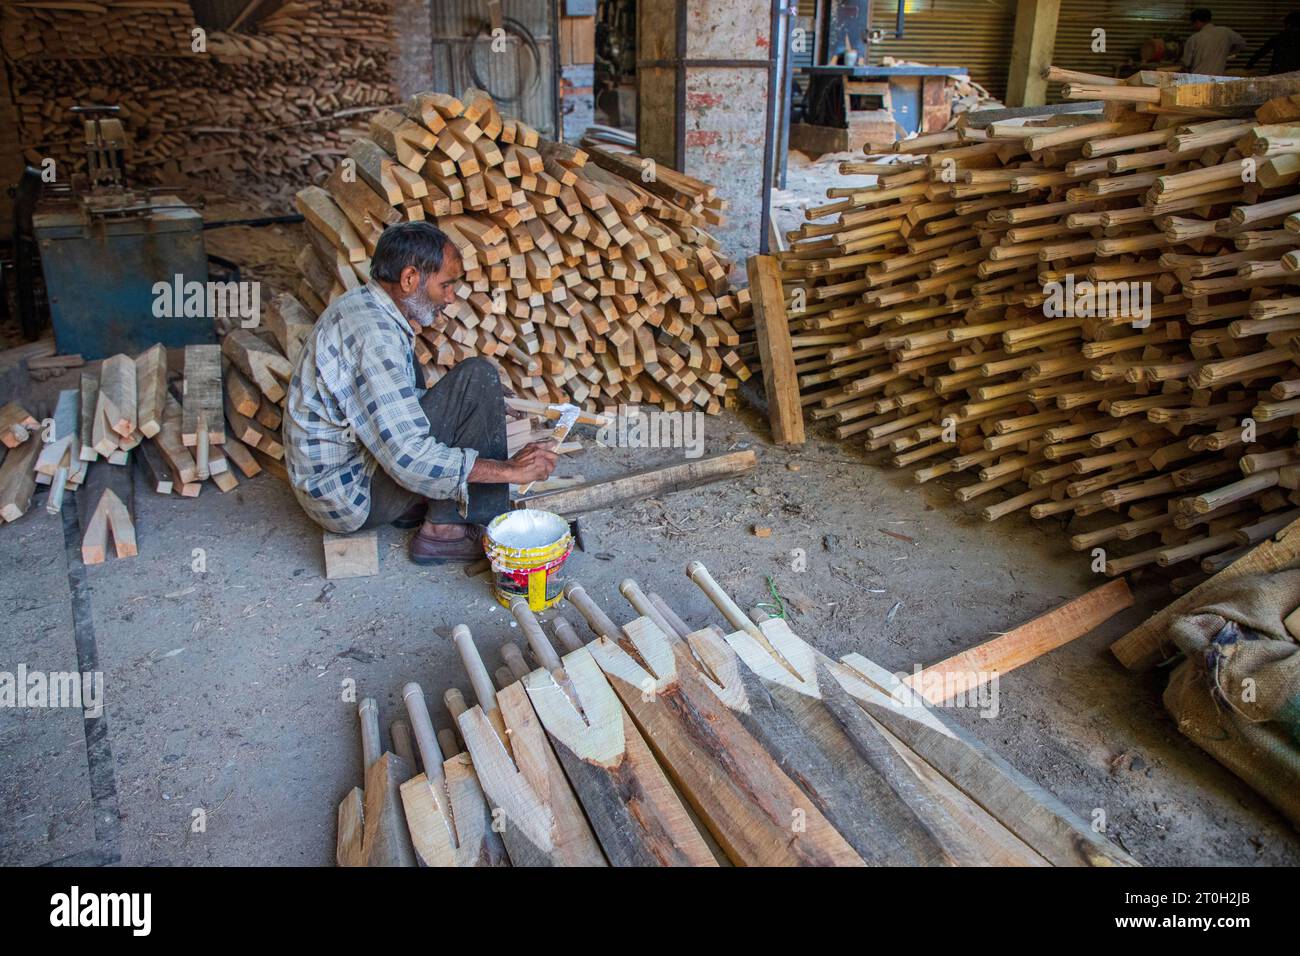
(353, 406)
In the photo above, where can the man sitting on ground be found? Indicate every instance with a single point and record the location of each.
(365, 445)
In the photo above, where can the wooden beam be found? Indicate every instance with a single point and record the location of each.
(89, 395)
(772, 327)
(106, 501)
(1031, 51)
(964, 672)
(650, 482)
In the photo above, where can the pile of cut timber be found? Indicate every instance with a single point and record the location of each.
(980, 309)
(590, 274)
(272, 107)
(567, 760)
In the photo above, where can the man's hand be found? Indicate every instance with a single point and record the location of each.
(534, 462)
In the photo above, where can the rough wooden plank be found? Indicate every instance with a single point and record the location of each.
(117, 394)
(1248, 91)
(772, 327)
(1148, 644)
(157, 472)
(202, 423)
(650, 482)
(964, 672)
(184, 470)
(241, 394)
(240, 454)
(151, 389)
(1029, 811)
(89, 402)
(291, 324)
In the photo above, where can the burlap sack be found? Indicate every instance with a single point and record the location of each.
(1237, 695)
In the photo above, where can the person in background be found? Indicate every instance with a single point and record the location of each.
(1284, 46)
(1208, 48)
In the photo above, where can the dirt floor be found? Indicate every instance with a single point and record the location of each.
(225, 686)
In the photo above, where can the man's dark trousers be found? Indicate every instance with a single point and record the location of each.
(465, 409)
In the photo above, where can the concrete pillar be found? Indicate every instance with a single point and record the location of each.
(1031, 51)
(413, 64)
(704, 77)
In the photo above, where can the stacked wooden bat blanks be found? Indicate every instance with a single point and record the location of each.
(590, 276)
(897, 780)
(271, 108)
(1086, 311)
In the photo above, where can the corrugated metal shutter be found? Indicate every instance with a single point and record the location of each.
(976, 35)
(1129, 24)
(454, 21)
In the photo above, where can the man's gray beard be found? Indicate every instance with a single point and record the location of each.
(419, 307)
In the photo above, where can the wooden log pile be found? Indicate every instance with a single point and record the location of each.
(590, 275)
(1087, 309)
(569, 753)
(271, 107)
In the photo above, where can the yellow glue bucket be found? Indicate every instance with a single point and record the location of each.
(528, 549)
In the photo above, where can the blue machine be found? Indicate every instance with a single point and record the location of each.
(100, 272)
(105, 247)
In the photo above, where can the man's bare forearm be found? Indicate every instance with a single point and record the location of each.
(489, 471)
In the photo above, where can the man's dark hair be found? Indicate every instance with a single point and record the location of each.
(419, 244)
(1202, 15)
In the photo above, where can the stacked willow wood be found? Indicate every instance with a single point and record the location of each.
(590, 275)
(271, 107)
(917, 316)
